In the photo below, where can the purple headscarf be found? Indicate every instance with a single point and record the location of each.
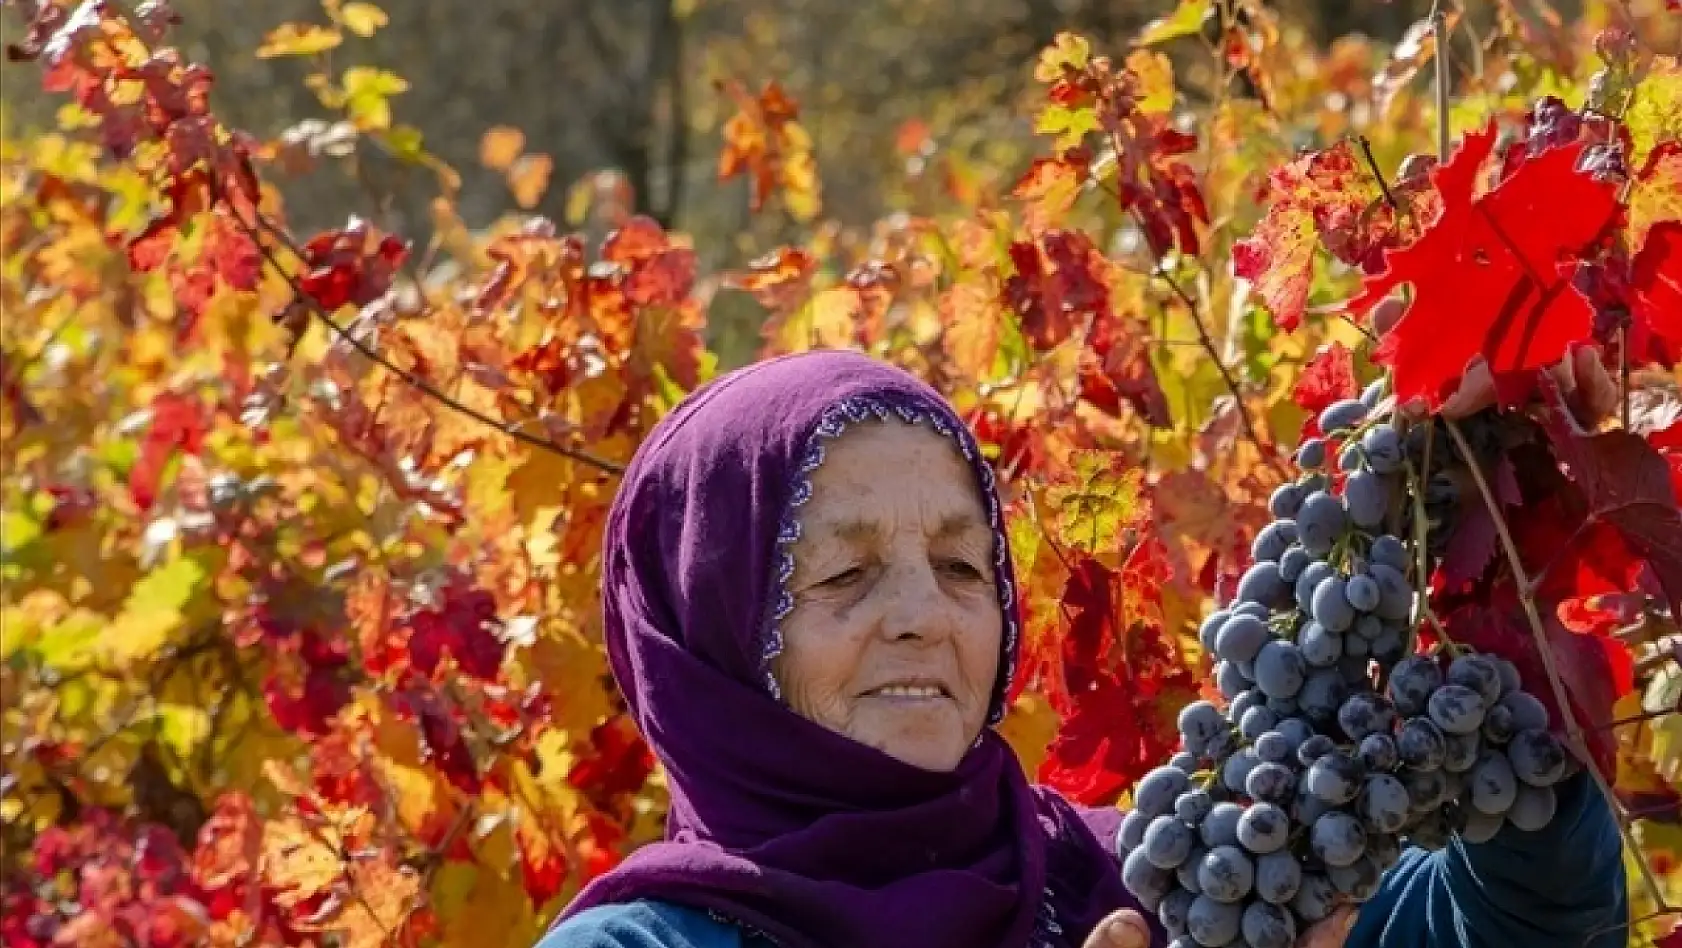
(776, 823)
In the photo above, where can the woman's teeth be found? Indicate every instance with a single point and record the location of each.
(909, 691)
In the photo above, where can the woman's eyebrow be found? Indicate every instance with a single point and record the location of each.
(861, 529)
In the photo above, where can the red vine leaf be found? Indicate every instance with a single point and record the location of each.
(1329, 377)
(1656, 293)
(1491, 275)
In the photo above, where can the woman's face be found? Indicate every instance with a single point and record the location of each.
(894, 636)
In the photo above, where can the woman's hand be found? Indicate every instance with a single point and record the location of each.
(1127, 929)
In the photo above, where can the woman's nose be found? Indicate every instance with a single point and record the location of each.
(916, 608)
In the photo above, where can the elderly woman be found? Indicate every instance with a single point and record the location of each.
(810, 609)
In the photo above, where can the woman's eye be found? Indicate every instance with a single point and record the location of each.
(843, 579)
(963, 569)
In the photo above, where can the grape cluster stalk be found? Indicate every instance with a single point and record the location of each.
(1340, 744)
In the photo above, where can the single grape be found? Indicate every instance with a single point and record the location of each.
(1365, 713)
(1315, 899)
(1271, 783)
(1359, 879)
(1362, 593)
(1295, 730)
(1201, 719)
(1411, 683)
(1268, 926)
(1237, 769)
(1273, 540)
(1273, 747)
(1243, 702)
(1278, 877)
(1534, 809)
(1390, 551)
(1131, 834)
(1494, 788)
(1157, 791)
(1211, 627)
(1395, 596)
(1230, 679)
(1315, 748)
(1420, 744)
(1241, 638)
(1319, 648)
(1323, 693)
(1292, 563)
(1220, 827)
(1498, 724)
(1285, 500)
(1265, 828)
(1383, 803)
(1213, 924)
(1373, 394)
(1184, 760)
(1529, 714)
(1254, 609)
(1279, 670)
(1427, 789)
(1257, 721)
(1481, 827)
(1345, 413)
(1479, 673)
(1316, 573)
(1337, 839)
(1193, 805)
(1172, 913)
(1538, 758)
(1383, 448)
(1145, 880)
(1226, 874)
(1350, 458)
(1335, 778)
(1462, 752)
(1311, 454)
(1366, 496)
(1320, 521)
(1167, 842)
(1378, 752)
(1262, 583)
(1330, 606)
(1284, 707)
(1456, 709)
(1356, 647)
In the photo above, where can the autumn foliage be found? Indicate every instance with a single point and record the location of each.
(301, 532)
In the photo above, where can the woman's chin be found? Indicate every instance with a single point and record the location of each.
(934, 740)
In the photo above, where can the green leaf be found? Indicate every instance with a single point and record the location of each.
(154, 611)
(72, 644)
(1069, 125)
(1186, 19)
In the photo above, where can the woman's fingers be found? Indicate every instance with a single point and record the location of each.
(1331, 932)
(1123, 929)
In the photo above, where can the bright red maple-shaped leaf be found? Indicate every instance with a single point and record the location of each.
(1124, 680)
(1492, 277)
(619, 763)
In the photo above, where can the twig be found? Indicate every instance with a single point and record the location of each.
(1574, 731)
(417, 382)
(1439, 29)
(1372, 164)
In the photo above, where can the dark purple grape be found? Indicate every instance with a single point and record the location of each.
(1278, 877)
(1538, 758)
(1330, 605)
(1456, 709)
(1256, 721)
(1273, 540)
(1346, 413)
(1156, 792)
(1373, 394)
(1367, 627)
(1184, 760)
(1172, 913)
(1420, 744)
(1316, 573)
(1279, 669)
(1319, 648)
(1411, 683)
(1493, 786)
(1359, 880)
(1237, 769)
(1265, 828)
(1241, 638)
(1498, 726)
(1529, 714)
(1481, 827)
(1378, 752)
(1284, 707)
(1510, 681)
(1534, 808)
(1362, 593)
(1285, 500)
(1350, 458)
(1211, 922)
(1167, 842)
(1314, 748)
(1211, 627)
(1230, 679)
(1253, 609)
(1390, 647)
(1427, 789)
(1337, 839)
(1335, 778)
(1291, 564)
(1147, 882)
(1268, 926)
(1390, 551)
(1320, 522)
(1226, 874)
(1383, 803)
(1187, 873)
(1274, 747)
(1462, 751)
(1383, 448)
(1201, 720)
(1323, 693)
(1131, 832)
(1365, 713)
(1220, 827)
(1271, 783)
(1395, 596)
(1480, 674)
(1193, 805)
(1367, 498)
(1315, 898)
(1311, 454)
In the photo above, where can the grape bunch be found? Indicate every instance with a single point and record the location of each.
(1340, 744)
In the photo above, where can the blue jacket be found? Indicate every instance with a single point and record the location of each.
(1560, 888)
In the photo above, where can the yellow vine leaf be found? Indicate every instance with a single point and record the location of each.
(1156, 80)
(499, 146)
(1100, 502)
(298, 39)
(367, 91)
(1656, 114)
(153, 612)
(529, 178)
(1186, 19)
(363, 19)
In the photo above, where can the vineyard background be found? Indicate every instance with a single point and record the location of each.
(301, 514)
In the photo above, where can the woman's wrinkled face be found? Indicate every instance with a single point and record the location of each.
(894, 636)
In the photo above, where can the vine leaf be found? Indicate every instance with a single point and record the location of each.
(1489, 276)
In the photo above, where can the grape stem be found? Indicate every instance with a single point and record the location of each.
(1573, 730)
